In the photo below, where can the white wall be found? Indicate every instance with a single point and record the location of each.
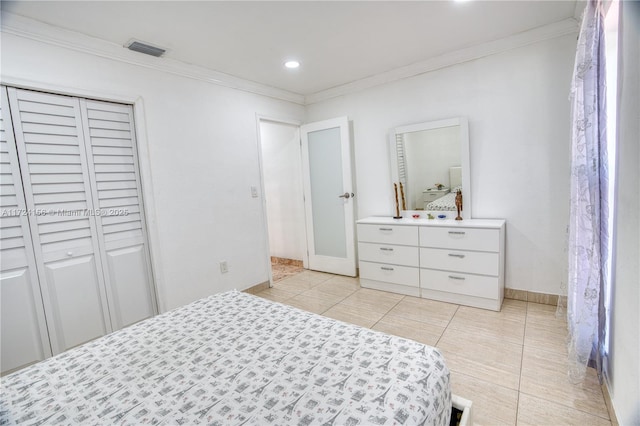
(203, 159)
(282, 171)
(624, 354)
(518, 111)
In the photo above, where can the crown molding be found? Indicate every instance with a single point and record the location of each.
(39, 31)
(57, 36)
(558, 29)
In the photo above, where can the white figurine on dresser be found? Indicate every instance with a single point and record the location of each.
(453, 261)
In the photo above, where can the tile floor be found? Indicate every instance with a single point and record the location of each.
(511, 364)
(281, 271)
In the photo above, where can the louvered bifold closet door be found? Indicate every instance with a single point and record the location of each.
(24, 338)
(115, 183)
(53, 162)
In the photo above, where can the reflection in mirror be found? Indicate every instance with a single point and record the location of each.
(432, 162)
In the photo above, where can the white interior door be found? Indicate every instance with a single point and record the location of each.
(328, 187)
(53, 165)
(22, 321)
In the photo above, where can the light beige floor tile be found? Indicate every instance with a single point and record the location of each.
(374, 300)
(318, 293)
(276, 294)
(314, 277)
(424, 310)
(492, 360)
(506, 325)
(345, 280)
(339, 287)
(351, 314)
(539, 312)
(544, 374)
(311, 304)
(548, 337)
(492, 404)
(294, 285)
(538, 411)
(410, 329)
(544, 330)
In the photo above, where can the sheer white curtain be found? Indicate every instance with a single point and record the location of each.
(588, 235)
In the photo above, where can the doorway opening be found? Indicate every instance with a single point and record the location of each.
(281, 163)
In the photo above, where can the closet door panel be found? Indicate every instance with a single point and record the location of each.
(127, 269)
(115, 181)
(75, 288)
(22, 342)
(24, 338)
(53, 159)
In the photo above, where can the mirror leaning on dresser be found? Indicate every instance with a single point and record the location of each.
(459, 262)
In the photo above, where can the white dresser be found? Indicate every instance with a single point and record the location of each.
(454, 261)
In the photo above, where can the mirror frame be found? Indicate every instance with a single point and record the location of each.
(464, 158)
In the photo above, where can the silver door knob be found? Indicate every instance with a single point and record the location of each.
(346, 195)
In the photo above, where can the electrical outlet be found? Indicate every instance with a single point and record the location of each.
(254, 191)
(224, 267)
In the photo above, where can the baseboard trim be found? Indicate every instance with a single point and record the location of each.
(257, 288)
(609, 403)
(531, 296)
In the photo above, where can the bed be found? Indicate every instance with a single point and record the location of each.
(448, 202)
(233, 359)
(445, 203)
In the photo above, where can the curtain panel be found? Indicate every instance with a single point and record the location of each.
(587, 233)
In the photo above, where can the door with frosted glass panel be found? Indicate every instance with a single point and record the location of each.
(328, 187)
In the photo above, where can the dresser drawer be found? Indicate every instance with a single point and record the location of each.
(460, 261)
(388, 234)
(388, 253)
(404, 275)
(451, 282)
(460, 238)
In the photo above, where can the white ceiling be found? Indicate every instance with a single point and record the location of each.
(336, 42)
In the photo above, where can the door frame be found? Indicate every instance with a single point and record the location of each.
(144, 165)
(289, 122)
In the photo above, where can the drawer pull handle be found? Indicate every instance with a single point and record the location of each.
(385, 268)
(453, 277)
(386, 229)
(461, 256)
(457, 232)
(386, 249)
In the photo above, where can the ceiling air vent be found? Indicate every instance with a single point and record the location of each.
(147, 49)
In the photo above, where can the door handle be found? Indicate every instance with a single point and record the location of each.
(347, 195)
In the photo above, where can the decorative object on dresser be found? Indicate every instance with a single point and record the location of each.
(453, 261)
(395, 189)
(459, 204)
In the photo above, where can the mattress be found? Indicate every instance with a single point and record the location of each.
(234, 359)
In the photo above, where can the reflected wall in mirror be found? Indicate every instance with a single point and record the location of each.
(431, 160)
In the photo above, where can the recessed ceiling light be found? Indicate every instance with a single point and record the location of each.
(292, 64)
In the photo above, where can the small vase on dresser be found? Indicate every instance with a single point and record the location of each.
(459, 262)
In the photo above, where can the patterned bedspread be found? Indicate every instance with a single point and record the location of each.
(445, 203)
(235, 359)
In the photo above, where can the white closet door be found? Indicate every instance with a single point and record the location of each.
(22, 323)
(115, 183)
(55, 177)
